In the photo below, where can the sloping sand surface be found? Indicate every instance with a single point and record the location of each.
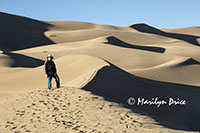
(100, 67)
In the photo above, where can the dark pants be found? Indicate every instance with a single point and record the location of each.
(50, 76)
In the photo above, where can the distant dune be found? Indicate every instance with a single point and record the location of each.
(104, 62)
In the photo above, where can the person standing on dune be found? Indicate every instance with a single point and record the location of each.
(50, 69)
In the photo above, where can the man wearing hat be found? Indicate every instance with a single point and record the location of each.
(50, 69)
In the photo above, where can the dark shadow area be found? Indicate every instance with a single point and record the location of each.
(19, 32)
(148, 29)
(116, 85)
(190, 61)
(19, 60)
(115, 41)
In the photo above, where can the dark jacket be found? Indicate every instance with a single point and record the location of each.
(50, 67)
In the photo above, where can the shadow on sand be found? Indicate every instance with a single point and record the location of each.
(148, 29)
(19, 60)
(19, 32)
(115, 41)
(116, 85)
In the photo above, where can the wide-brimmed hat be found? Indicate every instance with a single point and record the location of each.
(50, 56)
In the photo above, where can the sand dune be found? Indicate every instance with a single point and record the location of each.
(100, 67)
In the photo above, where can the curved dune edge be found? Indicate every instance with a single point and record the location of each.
(172, 63)
(82, 79)
(113, 83)
(174, 71)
